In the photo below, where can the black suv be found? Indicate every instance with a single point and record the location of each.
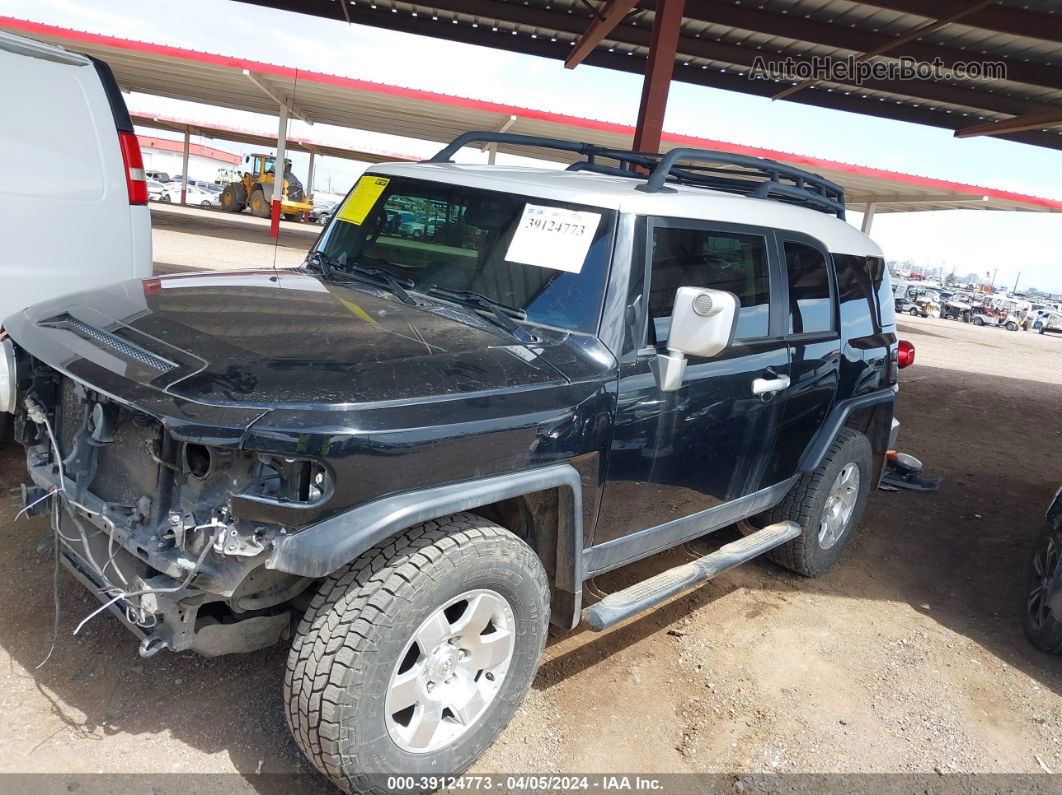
(416, 449)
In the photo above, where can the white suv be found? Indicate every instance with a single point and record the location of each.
(71, 162)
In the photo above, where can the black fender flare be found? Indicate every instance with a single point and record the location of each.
(836, 420)
(322, 548)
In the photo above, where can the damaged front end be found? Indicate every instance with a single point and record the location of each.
(146, 520)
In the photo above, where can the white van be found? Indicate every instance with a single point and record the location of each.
(73, 195)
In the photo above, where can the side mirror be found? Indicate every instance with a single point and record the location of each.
(702, 325)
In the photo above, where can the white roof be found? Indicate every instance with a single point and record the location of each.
(618, 193)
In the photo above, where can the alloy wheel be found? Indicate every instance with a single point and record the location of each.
(450, 671)
(840, 503)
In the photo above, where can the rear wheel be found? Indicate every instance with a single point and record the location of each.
(1043, 626)
(828, 504)
(233, 199)
(978, 321)
(414, 658)
(914, 312)
(292, 216)
(1012, 326)
(165, 198)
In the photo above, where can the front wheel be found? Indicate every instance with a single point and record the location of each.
(1042, 625)
(913, 312)
(978, 321)
(828, 504)
(1012, 326)
(413, 659)
(259, 206)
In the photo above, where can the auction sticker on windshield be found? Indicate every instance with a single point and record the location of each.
(553, 237)
(362, 199)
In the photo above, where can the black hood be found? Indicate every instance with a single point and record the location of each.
(267, 339)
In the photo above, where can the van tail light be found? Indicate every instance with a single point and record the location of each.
(135, 179)
(905, 354)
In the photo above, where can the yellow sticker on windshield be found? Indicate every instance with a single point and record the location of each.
(362, 199)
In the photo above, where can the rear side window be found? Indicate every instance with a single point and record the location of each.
(879, 277)
(736, 263)
(864, 293)
(810, 307)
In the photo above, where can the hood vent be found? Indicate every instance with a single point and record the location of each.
(106, 339)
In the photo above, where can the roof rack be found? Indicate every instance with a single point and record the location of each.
(703, 168)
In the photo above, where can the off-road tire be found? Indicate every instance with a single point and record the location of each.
(233, 198)
(259, 205)
(1047, 637)
(806, 500)
(359, 622)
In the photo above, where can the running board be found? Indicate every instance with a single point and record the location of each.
(643, 595)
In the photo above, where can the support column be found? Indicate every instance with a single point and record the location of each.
(184, 168)
(868, 218)
(661, 64)
(278, 171)
(309, 178)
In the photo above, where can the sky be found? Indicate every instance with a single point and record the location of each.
(968, 241)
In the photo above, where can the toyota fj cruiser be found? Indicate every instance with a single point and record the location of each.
(417, 450)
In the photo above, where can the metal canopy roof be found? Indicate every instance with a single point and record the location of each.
(265, 140)
(254, 86)
(721, 39)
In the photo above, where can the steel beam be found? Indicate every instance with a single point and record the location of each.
(666, 26)
(276, 96)
(1016, 21)
(1030, 121)
(610, 15)
(912, 35)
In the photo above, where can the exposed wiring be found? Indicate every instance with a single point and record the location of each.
(171, 589)
(64, 502)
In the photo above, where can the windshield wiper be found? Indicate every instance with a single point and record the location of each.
(333, 270)
(503, 314)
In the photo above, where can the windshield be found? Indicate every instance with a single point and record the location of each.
(547, 258)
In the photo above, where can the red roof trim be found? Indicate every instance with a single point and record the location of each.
(169, 145)
(148, 48)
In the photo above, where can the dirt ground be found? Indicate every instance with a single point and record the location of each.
(907, 657)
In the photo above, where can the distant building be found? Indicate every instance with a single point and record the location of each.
(165, 154)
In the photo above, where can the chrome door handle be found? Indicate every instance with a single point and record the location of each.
(765, 386)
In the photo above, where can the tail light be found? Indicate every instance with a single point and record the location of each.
(905, 354)
(135, 179)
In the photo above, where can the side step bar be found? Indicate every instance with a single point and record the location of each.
(643, 595)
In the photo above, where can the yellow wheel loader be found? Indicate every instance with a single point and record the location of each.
(255, 190)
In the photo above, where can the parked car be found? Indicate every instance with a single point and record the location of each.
(209, 187)
(418, 455)
(1043, 584)
(155, 189)
(1047, 320)
(193, 195)
(159, 176)
(91, 181)
(322, 212)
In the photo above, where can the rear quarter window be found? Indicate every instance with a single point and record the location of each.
(864, 293)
